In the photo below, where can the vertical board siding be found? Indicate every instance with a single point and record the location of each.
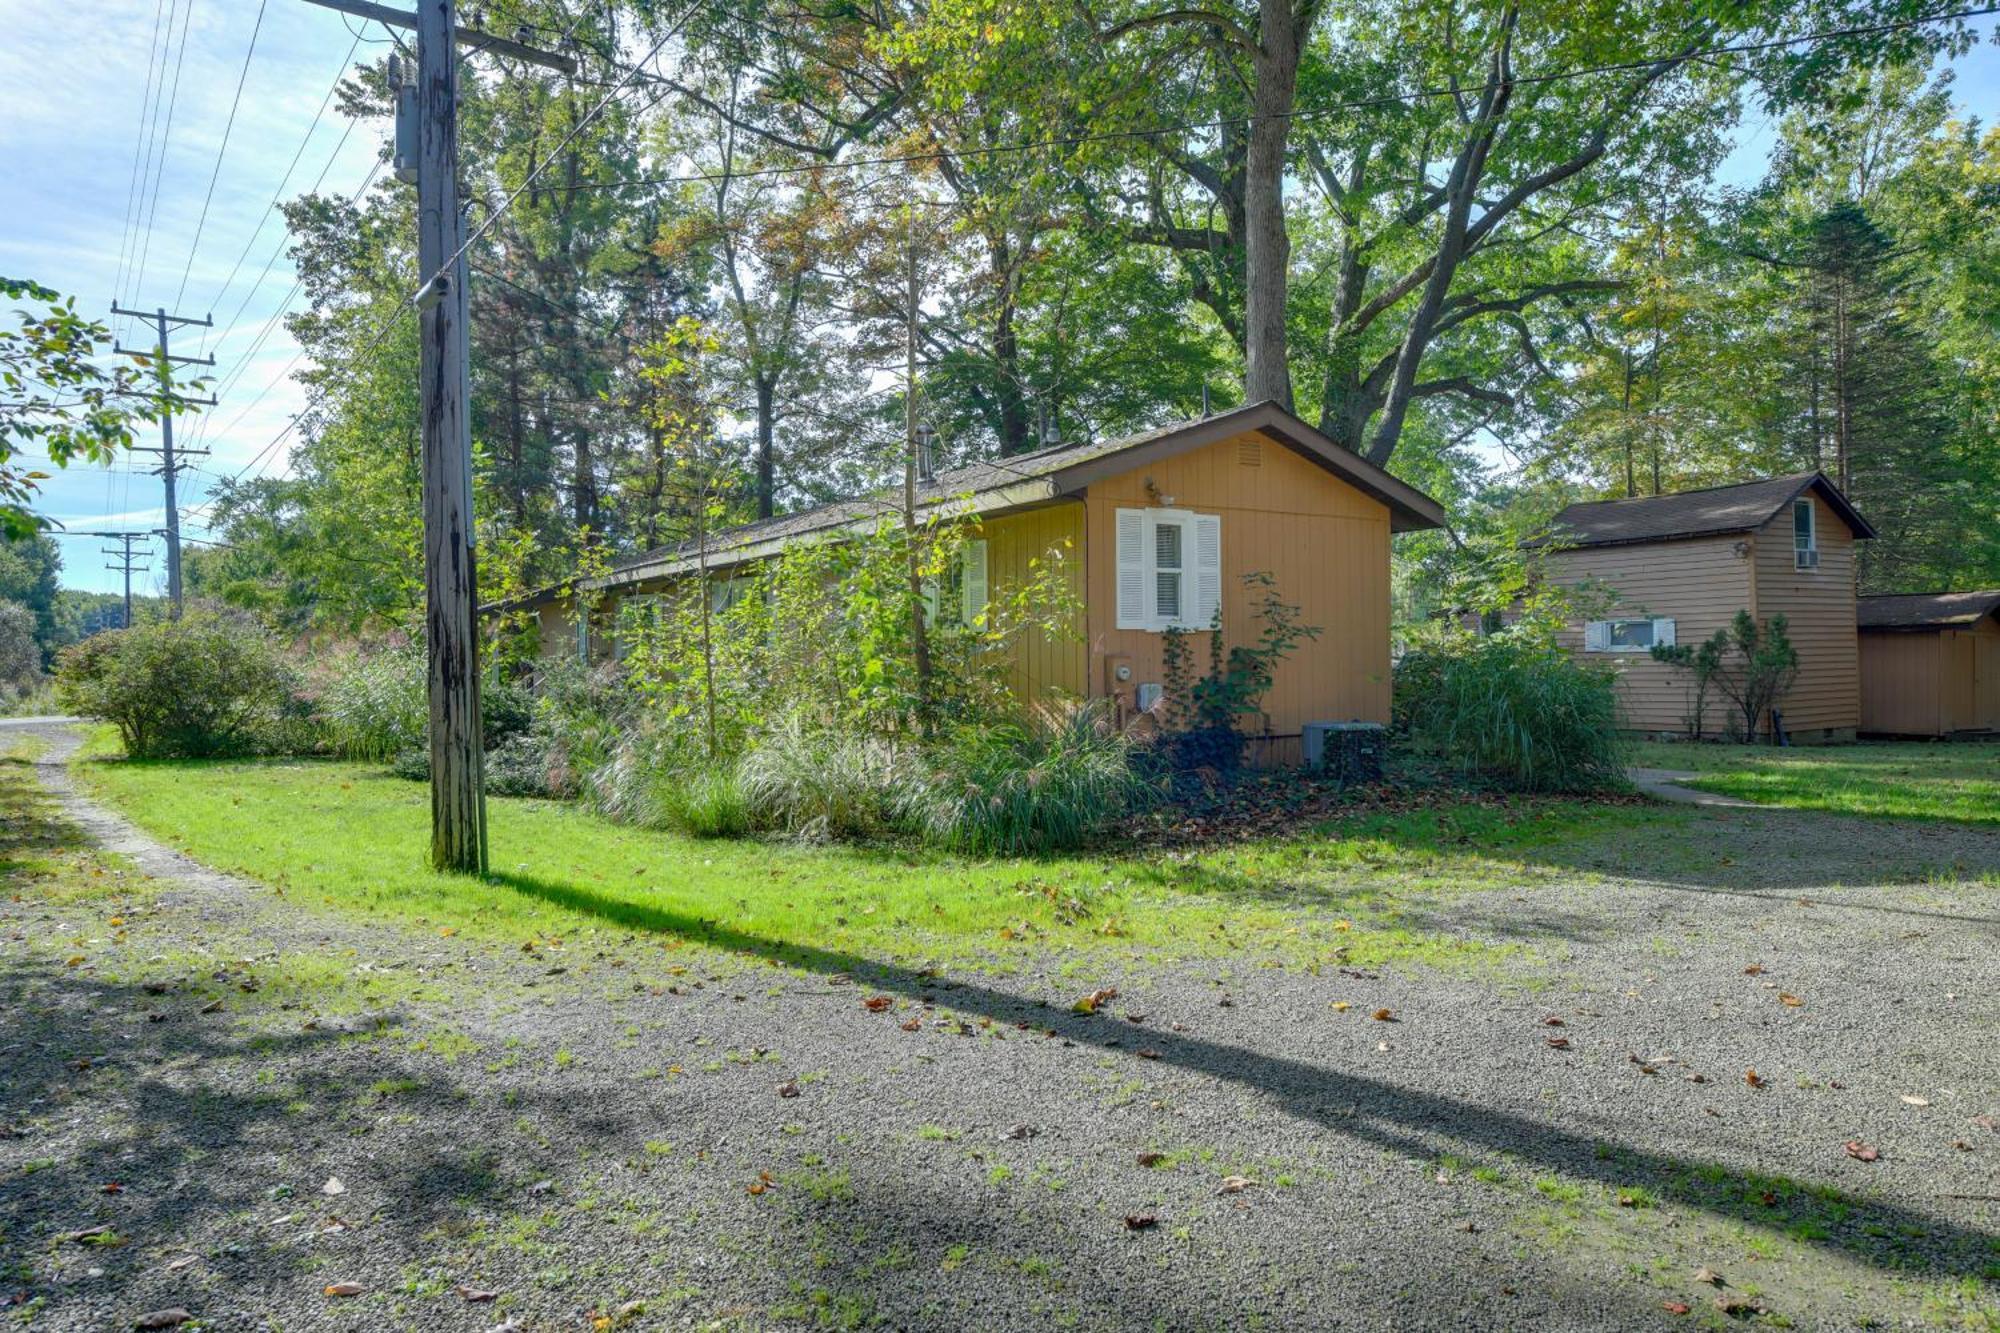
(1819, 610)
(1983, 712)
(1044, 664)
(1901, 684)
(1325, 543)
(1699, 583)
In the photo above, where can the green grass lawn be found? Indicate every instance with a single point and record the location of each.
(1905, 780)
(350, 838)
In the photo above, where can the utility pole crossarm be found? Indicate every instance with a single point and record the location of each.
(472, 39)
(156, 354)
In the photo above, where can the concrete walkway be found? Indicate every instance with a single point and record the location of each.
(1665, 784)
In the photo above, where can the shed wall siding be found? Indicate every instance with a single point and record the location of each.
(1700, 583)
(1819, 609)
(1902, 683)
(1325, 543)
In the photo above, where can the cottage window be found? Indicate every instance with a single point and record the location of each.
(1627, 636)
(1169, 569)
(1805, 536)
(962, 592)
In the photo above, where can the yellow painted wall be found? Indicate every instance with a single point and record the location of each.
(1044, 664)
(1326, 544)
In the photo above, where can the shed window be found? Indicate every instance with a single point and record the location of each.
(1169, 569)
(1627, 636)
(962, 593)
(1805, 535)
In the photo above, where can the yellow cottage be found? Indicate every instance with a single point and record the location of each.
(1166, 523)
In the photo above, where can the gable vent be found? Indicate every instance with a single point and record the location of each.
(1250, 453)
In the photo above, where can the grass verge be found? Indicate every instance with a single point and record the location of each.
(1899, 780)
(349, 838)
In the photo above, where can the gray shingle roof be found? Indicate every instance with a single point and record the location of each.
(1925, 610)
(1718, 509)
(998, 485)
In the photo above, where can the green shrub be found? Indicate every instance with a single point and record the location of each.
(820, 784)
(1512, 707)
(705, 803)
(1051, 784)
(200, 686)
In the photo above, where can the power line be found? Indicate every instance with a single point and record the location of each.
(1296, 113)
(166, 141)
(155, 66)
(222, 150)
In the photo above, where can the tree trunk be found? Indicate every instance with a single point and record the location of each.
(1268, 250)
(767, 472)
(1013, 408)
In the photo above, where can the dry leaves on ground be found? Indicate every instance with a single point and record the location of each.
(1088, 1004)
(1862, 1152)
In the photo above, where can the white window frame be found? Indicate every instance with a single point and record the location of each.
(1598, 634)
(1136, 556)
(1805, 553)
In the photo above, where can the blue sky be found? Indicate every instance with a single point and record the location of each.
(73, 78)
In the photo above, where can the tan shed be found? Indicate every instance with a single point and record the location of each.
(1930, 663)
(1681, 566)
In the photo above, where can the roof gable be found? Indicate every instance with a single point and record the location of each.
(1713, 511)
(998, 486)
(1926, 610)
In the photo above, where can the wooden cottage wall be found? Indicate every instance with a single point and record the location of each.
(1819, 609)
(1325, 542)
(1044, 664)
(1699, 583)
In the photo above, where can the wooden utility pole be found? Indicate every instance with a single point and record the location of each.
(451, 579)
(913, 466)
(170, 462)
(125, 556)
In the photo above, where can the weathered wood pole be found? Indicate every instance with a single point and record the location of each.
(451, 584)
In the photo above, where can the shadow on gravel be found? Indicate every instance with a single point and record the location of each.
(1879, 1232)
(190, 1153)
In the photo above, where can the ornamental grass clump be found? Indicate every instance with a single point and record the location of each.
(1514, 708)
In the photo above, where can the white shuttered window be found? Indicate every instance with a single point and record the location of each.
(1169, 569)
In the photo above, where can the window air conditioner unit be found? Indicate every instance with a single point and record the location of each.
(1808, 559)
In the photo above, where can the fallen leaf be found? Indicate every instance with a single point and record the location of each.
(1710, 1276)
(1789, 1000)
(1560, 1043)
(1553, 1022)
(1341, 1006)
(1737, 1305)
(1753, 1078)
(175, 1265)
(1961, 1145)
(1022, 1131)
(344, 1289)
(474, 1295)
(875, 1004)
(1140, 1221)
(1343, 925)
(1987, 1122)
(1148, 1053)
(1384, 1015)
(757, 1187)
(1235, 1184)
(1381, 1045)
(1909, 1100)
(1674, 1307)
(1628, 1201)
(212, 1007)
(1862, 1152)
(789, 1088)
(333, 1186)
(172, 1318)
(111, 1187)
(1694, 1077)
(74, 960)
(1151, 1158)
(913, 1024)
(1754, 970)
(1088, 1004)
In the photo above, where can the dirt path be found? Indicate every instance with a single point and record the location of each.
(677, 1138)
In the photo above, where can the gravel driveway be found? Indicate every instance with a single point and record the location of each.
(638, 1137)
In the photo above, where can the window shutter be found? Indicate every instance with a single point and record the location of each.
(930, 598)
(1663, 633)
(1597, 636)
(1207, 602)
(972, 583)
(1132, 597)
